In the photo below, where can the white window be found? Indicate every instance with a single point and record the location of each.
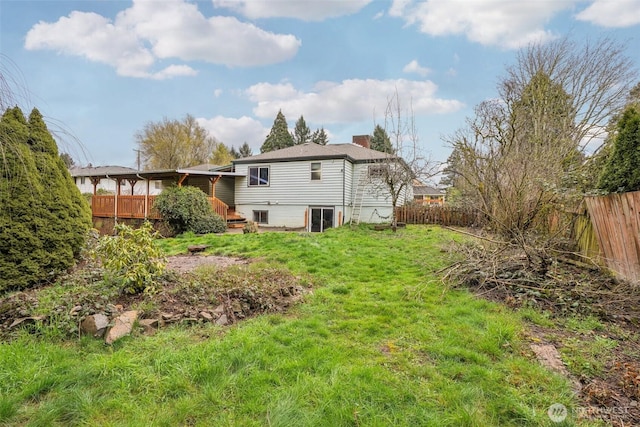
(316, 171)
(259, 176)
(378, 171)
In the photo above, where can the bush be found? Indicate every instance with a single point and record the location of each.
(43, 218)
(188, 209)
(131, 259)
(250, 227)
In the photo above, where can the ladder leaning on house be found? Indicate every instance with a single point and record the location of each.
(358, 198)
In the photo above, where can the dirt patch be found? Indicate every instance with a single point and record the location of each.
(187, 263)
(223, 295)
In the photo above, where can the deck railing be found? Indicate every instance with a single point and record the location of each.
(139, 207)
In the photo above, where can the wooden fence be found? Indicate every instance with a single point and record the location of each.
(616, 223)
(139, 207)
(442, 215)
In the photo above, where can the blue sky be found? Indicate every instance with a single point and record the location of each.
(101, 70)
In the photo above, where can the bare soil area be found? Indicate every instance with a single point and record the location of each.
(221, 296)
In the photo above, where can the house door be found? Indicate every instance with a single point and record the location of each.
(321, 219)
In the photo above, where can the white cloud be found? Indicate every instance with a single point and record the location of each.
(235, 132)
(170, 29)
(612, 13)
(509, 24)
(348, 101)
(415, 67)
(317, 10)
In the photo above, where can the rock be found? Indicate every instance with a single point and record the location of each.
(222, 320)
(219, 310)
(196, 248)
(150, 326)
(25, 321)
(95, 325)
(206, 316)
(122, 326)
(75, 310)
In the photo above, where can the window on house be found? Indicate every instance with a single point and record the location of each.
(377, 171)
(261, 217)
(82, 180)
(158, 185)
(316, 171)
(258, 176)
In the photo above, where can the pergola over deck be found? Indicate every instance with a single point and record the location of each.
(141, 206)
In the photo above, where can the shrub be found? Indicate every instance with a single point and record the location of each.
(43, 218)
(131, 259)
(188, 209)
(250, 227)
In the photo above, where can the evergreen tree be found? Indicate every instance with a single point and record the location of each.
(70, 214)
(234, 153)
(301, 133)
(279, 136)
(320, 137)
(44, 219)
(68, 160)
(381, 140)
(21, 221)
(245, 150)
(622, 171)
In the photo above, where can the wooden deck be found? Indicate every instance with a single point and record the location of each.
(139, 207)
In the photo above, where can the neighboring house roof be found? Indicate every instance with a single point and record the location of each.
(100, 170)
(312, 151)
(426, 190)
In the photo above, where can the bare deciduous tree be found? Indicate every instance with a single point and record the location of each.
(516, 158)
(393, 176)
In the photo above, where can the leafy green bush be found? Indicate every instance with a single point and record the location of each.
(131, 259)
(188, 209)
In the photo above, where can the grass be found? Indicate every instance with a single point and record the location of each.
(380, 342)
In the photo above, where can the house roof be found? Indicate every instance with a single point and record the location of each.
(426, 190)
(312, 151)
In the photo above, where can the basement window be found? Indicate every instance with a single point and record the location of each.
(261, 217)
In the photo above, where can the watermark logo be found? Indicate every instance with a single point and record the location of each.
(557, 412)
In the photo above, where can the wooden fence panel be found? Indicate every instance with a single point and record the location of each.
(434, 214)
(615, 221)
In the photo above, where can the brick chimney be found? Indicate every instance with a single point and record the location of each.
(362, 140)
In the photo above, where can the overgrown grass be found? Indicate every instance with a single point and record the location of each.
(380, 342)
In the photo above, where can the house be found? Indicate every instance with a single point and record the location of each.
(103, 179)
(307, 186)
(427, 195)
(313, 186)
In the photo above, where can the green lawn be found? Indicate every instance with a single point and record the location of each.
(380, 342)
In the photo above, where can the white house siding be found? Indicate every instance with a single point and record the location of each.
(109, 185)
(376, 202)
(291, 191)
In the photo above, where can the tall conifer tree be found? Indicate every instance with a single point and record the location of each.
(279, 137)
